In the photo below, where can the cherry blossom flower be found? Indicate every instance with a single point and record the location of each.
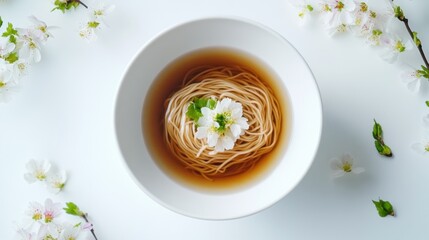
(41, 30)
(30, 48)
(412, 78)
(89, 31)
(100, 10)
(96, 21)
(344, 165)
(35, 211)
(24, 234)
(393, 46)
(6, 47)
(422, 147)
(70, 232)
(304, 8)
(339, 12)
(223, 125)
(7, 85)
(56, 181)
(51, 211)
(37, 170)
(20, 69)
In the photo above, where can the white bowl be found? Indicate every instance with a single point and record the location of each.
(247, 36)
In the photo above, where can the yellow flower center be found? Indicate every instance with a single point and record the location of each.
(326, 8)
(98, 13)
(21, 67)
(37, 216)
(399, 46)
(40, 175)
(48, 217)
(2, 84)
(340, 6)
(347, 167)
(32, 45)
(363, 7)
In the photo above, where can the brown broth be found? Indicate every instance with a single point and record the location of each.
(167, 83)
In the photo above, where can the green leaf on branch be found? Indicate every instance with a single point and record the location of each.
(64, 6)
(398, 13)
(377, 134)
(424, 72)
(384, 208)
(73, 209)
(416, 39)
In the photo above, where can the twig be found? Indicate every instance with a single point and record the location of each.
(405, 21)
(92, 229)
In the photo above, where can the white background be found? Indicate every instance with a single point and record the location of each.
(64, 113)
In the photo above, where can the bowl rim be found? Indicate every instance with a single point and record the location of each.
(165, 31)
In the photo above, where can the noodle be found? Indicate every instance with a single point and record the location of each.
(260, 107)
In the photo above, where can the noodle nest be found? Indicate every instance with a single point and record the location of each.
(260, 107)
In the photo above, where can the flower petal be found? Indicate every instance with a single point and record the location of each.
(227, 142)
(202, 132)
(235, 130)
(338, 173)
(358, 170)
(418, 148)
(212, 139)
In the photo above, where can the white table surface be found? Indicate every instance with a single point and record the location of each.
(64, 113)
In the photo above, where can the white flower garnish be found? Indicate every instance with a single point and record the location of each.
(37, 170)
(223, 125)
(344, 165)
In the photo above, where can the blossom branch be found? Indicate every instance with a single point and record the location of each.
(73, 209)
(412, 34)
(92, 229)
(399, 14)
(80, 2)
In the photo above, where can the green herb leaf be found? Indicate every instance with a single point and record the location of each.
(427, 103)
(194, 109)
(1, 22)
(398, 12)
(73, 209)
(377, 134)
(384, 208)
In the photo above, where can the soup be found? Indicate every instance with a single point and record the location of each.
(216, 118)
